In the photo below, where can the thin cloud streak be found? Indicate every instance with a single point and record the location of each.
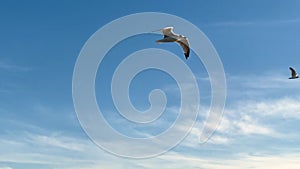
(253, 23)
(11, 67)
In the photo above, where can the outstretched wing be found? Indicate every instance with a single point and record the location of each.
(184, 43)
(293, 72)
(168, 31)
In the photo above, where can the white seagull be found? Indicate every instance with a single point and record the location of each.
(294, 74)
(170, 36)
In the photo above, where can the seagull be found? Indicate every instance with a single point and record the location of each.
(170, 36)
(294, 74)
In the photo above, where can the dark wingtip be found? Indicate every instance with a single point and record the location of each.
(186, 55)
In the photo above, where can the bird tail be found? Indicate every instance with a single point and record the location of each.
(168, 39)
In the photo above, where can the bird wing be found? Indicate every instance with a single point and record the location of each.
(294, 74)
(168, 31)
(184, 43)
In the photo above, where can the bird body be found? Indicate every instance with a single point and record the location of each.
(170, 36)
(293, 73)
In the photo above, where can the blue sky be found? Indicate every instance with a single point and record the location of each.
(256, 40)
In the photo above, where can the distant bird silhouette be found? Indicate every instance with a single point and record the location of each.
(170, 36)
(294, 74)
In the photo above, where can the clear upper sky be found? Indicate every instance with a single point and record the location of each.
(256, 40)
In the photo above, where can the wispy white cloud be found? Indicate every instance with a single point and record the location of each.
(12, 67)
(244, 124)
(254, 23)
(241, 161)
(179, 161)
(51, 149)
(7, 86)
(217, 139)
(243, 118)
(67, 152)
(246, 88)
(270, 82)
(249, 118)
(285, 107)
(6, 168)
(231, 23)
(57, 141)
